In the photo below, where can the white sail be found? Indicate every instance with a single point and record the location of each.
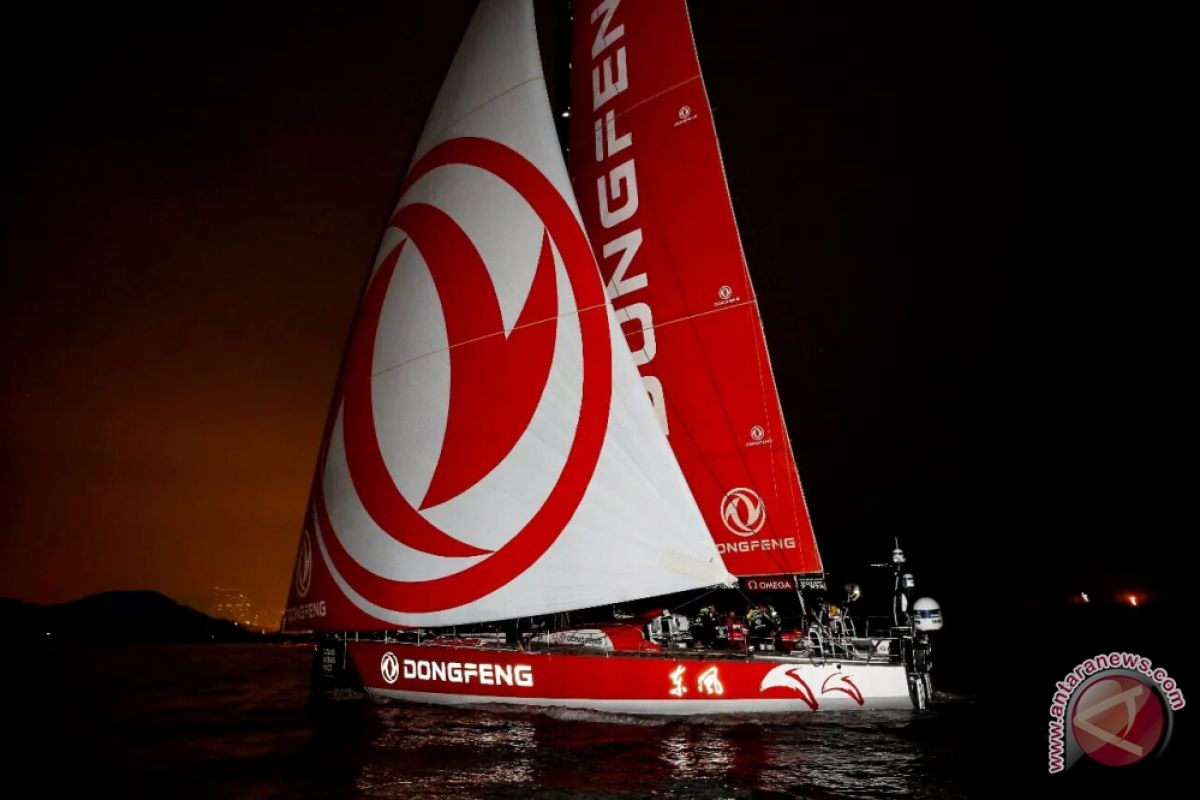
(493, 452)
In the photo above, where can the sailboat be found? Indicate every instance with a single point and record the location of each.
(556, 429)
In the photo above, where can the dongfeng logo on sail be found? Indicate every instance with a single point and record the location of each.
(744, 514)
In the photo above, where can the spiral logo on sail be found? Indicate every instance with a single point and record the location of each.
(497, 378)
(743, 511)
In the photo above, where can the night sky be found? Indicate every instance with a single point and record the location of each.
(963, 229)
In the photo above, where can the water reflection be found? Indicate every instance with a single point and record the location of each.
(422, 752)
(221, 722)
(472, 752)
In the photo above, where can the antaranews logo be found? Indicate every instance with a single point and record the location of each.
(1116, 708)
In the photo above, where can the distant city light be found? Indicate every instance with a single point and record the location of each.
(566, 113)
(1133, 600)
(232, 604)
(1085, 597)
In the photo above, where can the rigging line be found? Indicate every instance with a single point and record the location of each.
(450, 347)
(746, 597)
(671, 261)
(449, 125)
(331, 415)
(790, 453)
(657, 95)
(682, 422)
(712, 122)
(762, 385)
(765, 352)
(762, 381)
(669, 397)
(687, 317)
(695, 599)
(773, 465)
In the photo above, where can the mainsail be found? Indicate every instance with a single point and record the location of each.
(647, 172)
(491, 452)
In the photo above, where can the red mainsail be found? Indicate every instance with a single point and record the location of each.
(647, 173)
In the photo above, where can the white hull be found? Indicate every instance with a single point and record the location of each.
(649, 707)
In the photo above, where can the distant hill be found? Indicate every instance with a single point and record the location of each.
(117, 617)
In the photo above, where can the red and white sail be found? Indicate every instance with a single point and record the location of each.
(491, 452)
(648, 175)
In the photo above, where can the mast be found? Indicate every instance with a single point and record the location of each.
(490, 452)
(647, 170)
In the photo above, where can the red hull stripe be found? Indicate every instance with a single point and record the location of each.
(665, 684)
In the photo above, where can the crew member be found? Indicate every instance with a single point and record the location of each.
(763, 623)
(704, 630)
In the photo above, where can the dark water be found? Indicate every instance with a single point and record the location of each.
(236, 721)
